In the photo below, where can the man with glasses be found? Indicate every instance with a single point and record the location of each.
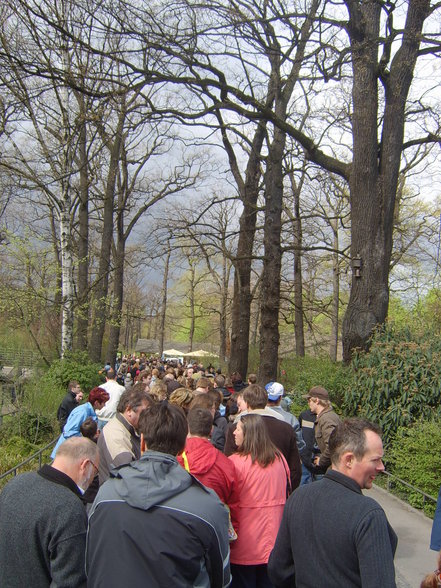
(43, 521)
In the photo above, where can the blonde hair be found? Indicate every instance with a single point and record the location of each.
(182, 397)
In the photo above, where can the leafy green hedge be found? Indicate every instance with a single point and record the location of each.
(414, 456)
(34, 424)
(75, 366)
(398, 381)
(43, 395)
(299, 374)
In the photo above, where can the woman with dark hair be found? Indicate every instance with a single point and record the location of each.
(97, 399)
(262, 478)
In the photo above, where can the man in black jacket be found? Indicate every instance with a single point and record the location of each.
(152, 523)
(72, 399)
(331, 535)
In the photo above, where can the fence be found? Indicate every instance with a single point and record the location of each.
(32, 458)
(20, 357)
(402, 489)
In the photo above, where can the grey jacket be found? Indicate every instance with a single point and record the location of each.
(153, 524)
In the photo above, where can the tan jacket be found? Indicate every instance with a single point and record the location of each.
(326, 422)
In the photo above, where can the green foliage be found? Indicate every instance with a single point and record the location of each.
(398, 381)
(14, 451)
(32, 428)
(17, 450)
(411, 458)
(299, 374)
(429, 309)
(43, 394)
(75, 366)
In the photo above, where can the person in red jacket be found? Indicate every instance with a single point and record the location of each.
(206, 463)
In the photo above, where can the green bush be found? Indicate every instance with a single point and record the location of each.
(42, 395)
(32, 428)
(397, 382)
(75, 366)
(410, 457)
(14, 452)
(299, 374)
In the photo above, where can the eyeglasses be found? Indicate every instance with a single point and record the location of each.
(96, 469)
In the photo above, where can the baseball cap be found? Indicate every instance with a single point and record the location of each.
(274, 390)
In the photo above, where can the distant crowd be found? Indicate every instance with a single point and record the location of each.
(174, 474)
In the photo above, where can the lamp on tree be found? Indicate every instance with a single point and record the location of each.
(356, 266)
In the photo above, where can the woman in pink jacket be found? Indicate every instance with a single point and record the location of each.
(262, 478)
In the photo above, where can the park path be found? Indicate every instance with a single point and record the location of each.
(413, 559)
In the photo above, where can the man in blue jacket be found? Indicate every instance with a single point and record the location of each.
(331, 534)
(152, 523)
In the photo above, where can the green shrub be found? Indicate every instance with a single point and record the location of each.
(32, 428)
(299, 374)
(75, 366)
(413, 457)
(398, 381)
(14, 452)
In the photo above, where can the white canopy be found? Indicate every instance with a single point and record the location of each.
(173, 353)
(200, 353)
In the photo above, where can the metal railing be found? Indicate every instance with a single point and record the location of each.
(36, 456)
(391, 479)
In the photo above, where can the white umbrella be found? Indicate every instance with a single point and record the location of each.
(173, 353)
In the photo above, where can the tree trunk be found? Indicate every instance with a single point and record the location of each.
(272, 262)
(67, 315)
(164, 302)
(241, 307)
(374, 174)
(118, 293)
(102, 285)
(223, 311)
(192, 306)
(83, 241)
(299, 332)
(335, 293)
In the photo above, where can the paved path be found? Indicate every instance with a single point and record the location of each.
(413, 559)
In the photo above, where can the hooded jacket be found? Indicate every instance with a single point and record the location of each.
(73, 424)
(153, 524)
(214, 470)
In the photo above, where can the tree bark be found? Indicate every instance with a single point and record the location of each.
(242, 298)
(117, 302)
(67, 305)
(299, 331)
(272, 262)
(335, 293)
(164, 301)
(83, 241)
(191, 300)
(223, 310)
(102, 285)
(374, 173)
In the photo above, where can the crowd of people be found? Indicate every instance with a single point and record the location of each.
(176, 475)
